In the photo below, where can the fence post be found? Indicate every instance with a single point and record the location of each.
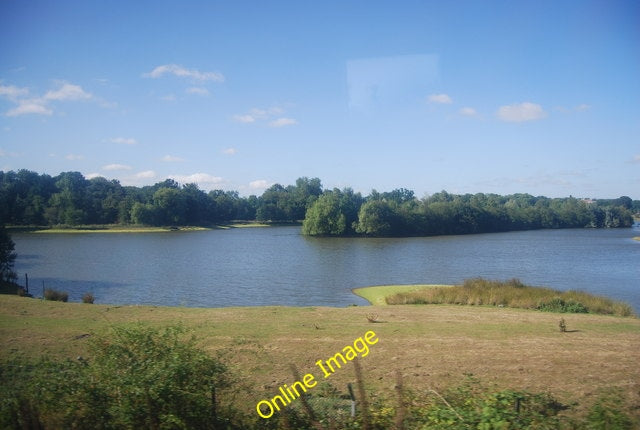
(353, 400)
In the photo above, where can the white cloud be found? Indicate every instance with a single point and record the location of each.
(257, 114)
(229, 151)
(41, 105)
(124, 140)
(93, 175)
(147, 174)
(439, 98)
(171, 159)
(12, 93)
(203, 180)
(259, 184)
(181, 72)
(74, 157)
(168, 98)
(116, 167)
(68, 91)
(282, 122)
(521, 112)
(199, 91)
(468, 111)
(583, 107)
(244, 118)
(30, 106)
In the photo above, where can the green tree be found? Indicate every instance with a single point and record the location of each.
(376, 218)
(7, 257)
(170, 205)
(68, 205)
(325, 217)
(334, 213)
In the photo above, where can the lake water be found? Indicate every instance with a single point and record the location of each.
(279, 266)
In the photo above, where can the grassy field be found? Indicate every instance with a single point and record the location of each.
(433, 346)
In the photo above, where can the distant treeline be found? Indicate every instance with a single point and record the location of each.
(29, 198)
(399, 213)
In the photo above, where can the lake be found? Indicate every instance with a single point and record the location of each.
(279, 266)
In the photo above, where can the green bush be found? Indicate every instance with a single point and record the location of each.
(472, 407)
(137, 377)
(559, 305)
(55, 295)
(605, 414)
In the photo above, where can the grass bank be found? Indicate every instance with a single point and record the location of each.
(433, 347)
(118, 228)
(378, 295)
(482, 292)
(105, 229)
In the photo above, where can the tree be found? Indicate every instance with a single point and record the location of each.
(334, 213)
(7, 257)
(325, 218)
(376, 218)
(171, 206)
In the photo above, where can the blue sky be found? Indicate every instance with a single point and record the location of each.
(538, 96)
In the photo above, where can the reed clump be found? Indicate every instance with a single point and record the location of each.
(514, 294)
(55, 295)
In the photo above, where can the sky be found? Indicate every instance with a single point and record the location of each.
(539, 97)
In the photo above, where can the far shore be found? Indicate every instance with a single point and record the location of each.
(119, 228)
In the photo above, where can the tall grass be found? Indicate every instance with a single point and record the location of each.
(55, 295)
(514, 294)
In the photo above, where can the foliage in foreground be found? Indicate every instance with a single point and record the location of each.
(7, 257)
(467, 406)
(137, 378)
(514, 294)
(146, 378)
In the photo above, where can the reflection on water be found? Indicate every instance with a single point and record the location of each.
(278, 266)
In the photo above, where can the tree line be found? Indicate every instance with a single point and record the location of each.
(400, 213)
(29, 198)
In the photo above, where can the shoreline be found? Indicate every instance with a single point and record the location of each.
(118, 228)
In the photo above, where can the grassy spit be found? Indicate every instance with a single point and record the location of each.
(432, 346)
(480, 292)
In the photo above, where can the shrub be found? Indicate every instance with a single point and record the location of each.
(559, 305)
(606, 413)
(88, 298)
(471, 406)
(55, 295)
(138, 377)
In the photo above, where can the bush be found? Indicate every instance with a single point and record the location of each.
(471, 406)
(137, 377)
(88, 298)
(55, 295)
(606, 413)
(559, 305)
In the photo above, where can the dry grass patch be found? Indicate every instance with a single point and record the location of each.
(514, 294)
